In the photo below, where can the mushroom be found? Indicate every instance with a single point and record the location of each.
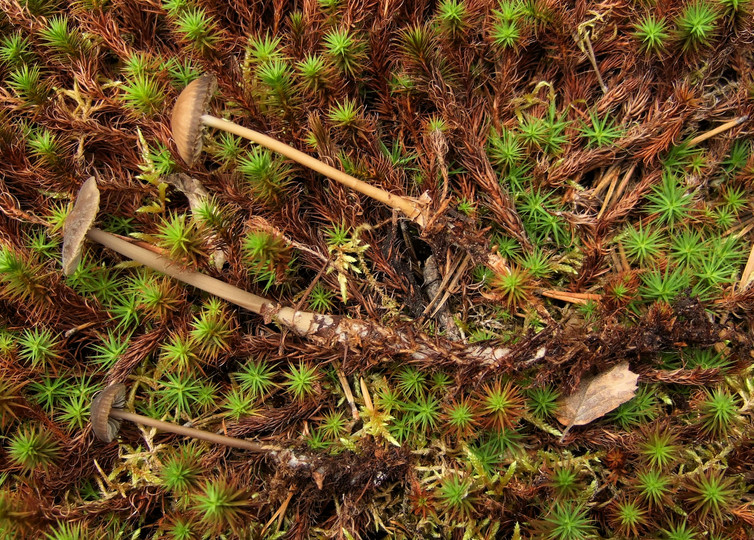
(325, 329)
(81, 218)
(78, 223)
(189, 115)
(107, 413)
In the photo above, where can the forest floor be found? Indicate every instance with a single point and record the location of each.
(535, 321)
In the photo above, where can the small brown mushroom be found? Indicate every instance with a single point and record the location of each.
(107, 413)
(186, 120)
(78, 222)
(324, 329)
(106, 427)
(189, 115)
(83, 215)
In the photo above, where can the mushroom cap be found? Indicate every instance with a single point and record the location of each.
(112, 397)
(78, 223)
(186, 121)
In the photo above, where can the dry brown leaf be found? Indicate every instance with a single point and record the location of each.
(597, 396)
(78, 223)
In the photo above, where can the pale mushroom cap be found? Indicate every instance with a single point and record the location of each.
(112, 397)
(186, 121)
(78, 222)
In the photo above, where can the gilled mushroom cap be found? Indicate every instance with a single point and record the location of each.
(186, 121)
(112, 397)
(78, 222)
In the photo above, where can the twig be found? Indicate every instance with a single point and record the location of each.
(365, 393)
(613, 173)
(347, 391)
(459, 272)
(575, 298)
(432, 283)
(279, 514)
(624, 183)
(592, 59)
(450, 275)
(607, 178)
(746, 274)
(716, 131)
(623, 258)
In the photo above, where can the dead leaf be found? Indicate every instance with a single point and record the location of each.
(597, 396)
(190, 187)
(78, 223)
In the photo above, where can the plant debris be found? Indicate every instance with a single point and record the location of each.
(597, 396)
(408, 248)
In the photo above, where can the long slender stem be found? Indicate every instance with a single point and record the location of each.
(219, 288)
(730, 124)
(299, 321)
(593, 60)
(409, 208)
(190, 432)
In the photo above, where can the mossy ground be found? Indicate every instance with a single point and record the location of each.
(565, 137)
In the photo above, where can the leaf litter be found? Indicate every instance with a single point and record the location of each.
(596, 397)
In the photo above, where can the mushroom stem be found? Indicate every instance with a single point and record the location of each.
(299, 321)
(408, 207)
(191, 432)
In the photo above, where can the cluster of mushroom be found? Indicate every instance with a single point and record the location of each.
(188, 119)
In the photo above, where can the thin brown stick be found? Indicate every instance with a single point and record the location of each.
(441, 289)
(607, 178)
(716, 131)
(349, 395)
(748, 270)
(456, 277)
(365, 394)
(574, 298)
(593, 61)
(613, 181)
(616, 261)
(280, 513)
(624, 182)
